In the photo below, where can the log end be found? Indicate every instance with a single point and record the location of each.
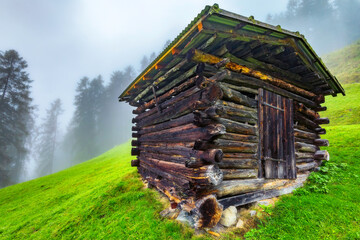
(214, 174)
(135, 163)
(209, 212)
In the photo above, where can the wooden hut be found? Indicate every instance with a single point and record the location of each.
(228, 114)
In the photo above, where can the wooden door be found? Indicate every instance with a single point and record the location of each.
(276, 136)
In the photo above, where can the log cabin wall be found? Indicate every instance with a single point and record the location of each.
(199, 127)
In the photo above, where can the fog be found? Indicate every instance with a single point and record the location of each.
(64, 41)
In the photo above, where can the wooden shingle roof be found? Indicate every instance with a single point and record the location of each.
(252, 43)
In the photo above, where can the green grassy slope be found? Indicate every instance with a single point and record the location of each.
(345, 63)
(100, 199)
(103, 198)
(344, 110)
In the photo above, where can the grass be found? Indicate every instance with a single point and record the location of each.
(103, 198)
(99, 199)
(344, 110)
(345, 63)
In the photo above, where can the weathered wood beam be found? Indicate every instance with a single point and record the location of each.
(160, 79)
(239, 173)
(304, 147)
(322, 121)
(246, 198)
(321, 142)
(167, 95)
(199, 56)
(185, 119)
(209, 175)
(181, 133)
(306, 111)
(227, 146)
(236, 163)
(306, 166)
(235, 187)
(237, 97)
(239, 137)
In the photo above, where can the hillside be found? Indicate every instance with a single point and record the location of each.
(345, 63)
(104, 198)
(344, 110)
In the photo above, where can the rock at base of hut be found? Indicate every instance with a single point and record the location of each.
(185, 218)
(252, 213)
(228, 218)
(263, 203)
(170, 213)
(240, 224)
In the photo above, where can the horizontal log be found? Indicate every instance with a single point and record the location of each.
(241, 155)
(167, 144)
(160, 79)
(168, 103)
(304, 147)
(232, 114)
(237, 78)
(239, 173)
(171, 83)
(235, 163)
(237, 97)
(321, 142)
(238, 107)
(236, 127)
(235, 187)
(303, 134)
(227, 146)
(173, 186)
(304, 140)
(322, 121)
(199, 56)
(305, 121)
(246, 198)
(240, 88)
(322, 155)
(306, 111)
(304, 160)
(300, 155)
(200, 100)
(167, 95)
(209, 175)
(239, 137)
(192, 134)
(188, 118)
(305, 166)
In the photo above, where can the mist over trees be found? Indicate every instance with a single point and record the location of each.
(327, 24)
(15, 115)
(47, 139)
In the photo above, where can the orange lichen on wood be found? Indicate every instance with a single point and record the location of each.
(199, 56)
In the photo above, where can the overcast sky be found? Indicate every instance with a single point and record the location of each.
(62, 41)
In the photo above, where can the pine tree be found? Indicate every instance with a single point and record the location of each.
(47, 143)
(115, 117)
(15, 115)
(84, 129)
